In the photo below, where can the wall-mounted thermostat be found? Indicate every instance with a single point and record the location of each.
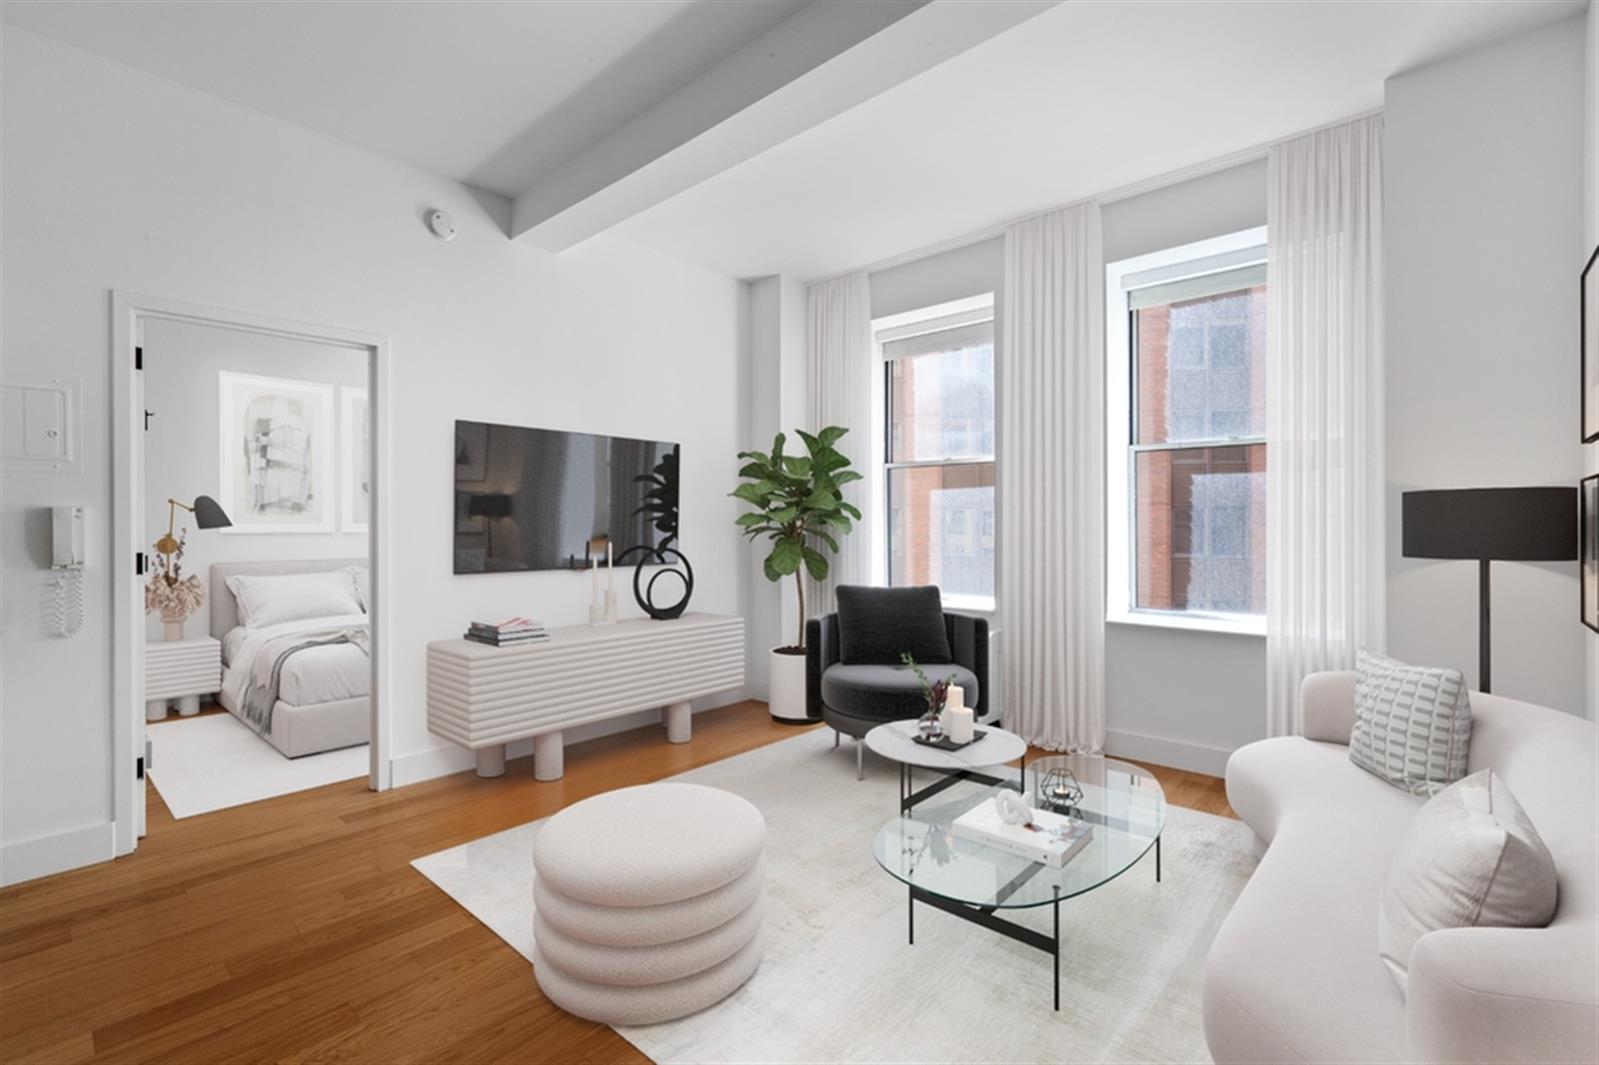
(441, 225)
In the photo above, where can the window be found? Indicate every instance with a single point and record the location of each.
(939, 449)
(1187, 476)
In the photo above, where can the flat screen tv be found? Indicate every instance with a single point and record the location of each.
(535, 499)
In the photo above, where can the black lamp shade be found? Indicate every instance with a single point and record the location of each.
(1515, 524)
(208, 514)
(498, 505)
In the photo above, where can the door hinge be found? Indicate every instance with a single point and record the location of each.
(138, 563)
(138, 768)
(138, 358)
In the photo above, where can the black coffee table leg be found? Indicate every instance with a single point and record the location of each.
(1157, 859)
(1056, 908)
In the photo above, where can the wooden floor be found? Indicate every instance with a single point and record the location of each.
(295, 929)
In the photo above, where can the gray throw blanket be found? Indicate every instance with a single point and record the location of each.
(261, 689)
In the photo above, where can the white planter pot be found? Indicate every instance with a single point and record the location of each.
(787, 695)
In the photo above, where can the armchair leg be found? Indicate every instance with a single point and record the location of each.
(860, 759)
(836, 736)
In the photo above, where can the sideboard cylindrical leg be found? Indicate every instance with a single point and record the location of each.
(548, 756)
(679, 723)
(491, 761)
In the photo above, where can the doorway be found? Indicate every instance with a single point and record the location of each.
(250, 504)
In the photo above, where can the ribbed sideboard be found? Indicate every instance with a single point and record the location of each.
(484, 697)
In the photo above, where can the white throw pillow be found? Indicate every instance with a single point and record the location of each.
(1412, 723)
(1470, 858)
(272, 600)
(361, 577)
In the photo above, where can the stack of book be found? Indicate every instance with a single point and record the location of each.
(512, 632)
(1050, 838)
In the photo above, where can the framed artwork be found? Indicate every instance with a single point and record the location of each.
(1590, 349)
(355, 460)
(471, 452)
(1588, 553)
(276, 454)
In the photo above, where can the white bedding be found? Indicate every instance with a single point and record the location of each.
(314, 675)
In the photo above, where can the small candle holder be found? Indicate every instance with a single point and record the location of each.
(1057, 789)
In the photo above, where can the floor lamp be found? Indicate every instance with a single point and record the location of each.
(1490, 524)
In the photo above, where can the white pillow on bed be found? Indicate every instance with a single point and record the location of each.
(272, 600)
(361, 576)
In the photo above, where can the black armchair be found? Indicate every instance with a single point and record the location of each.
(854, 679)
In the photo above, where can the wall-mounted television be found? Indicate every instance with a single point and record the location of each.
(535, 499)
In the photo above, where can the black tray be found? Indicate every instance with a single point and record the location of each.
(944, 743)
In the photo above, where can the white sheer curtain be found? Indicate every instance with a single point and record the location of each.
(838, 345)
(1324, 428)
(1051, 479)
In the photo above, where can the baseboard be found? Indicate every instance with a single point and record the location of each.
(1178, 754)
(441, 761)
(30, 859)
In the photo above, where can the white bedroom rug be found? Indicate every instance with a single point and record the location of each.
(839, 982)
(212, 762)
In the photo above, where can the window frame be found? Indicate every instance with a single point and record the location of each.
(1198, 259)
(925, 321)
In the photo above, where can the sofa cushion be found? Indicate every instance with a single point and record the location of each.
(1469, 858)
(878, 625)
(1412, 724)
(889, 693)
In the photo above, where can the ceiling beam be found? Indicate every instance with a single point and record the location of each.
(827, 58)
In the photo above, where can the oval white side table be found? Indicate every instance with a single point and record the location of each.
(895, 741)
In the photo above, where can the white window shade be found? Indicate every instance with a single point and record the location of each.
(1192, 288)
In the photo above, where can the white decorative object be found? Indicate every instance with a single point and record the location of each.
(485, 697)
(686, 850)
(839, 357)
(1325, 530)
(1052, 480)
(182, 670)
(276, 454)
(1012, 808)
(355, 460)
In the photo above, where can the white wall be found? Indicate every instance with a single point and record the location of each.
(1177, 697)
(1590, 239)
(182, 456)
(116, 180)
(1484, 163)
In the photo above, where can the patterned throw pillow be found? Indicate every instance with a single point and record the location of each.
(1412, 724)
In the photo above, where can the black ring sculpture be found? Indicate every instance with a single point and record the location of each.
(646, 595)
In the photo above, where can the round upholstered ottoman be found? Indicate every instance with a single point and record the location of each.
(648, 902)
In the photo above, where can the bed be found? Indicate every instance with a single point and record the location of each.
(322, 693)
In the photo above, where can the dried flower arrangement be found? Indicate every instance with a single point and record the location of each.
(175, 597)
(935, 691)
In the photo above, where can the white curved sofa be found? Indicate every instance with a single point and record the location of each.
(1294, 974)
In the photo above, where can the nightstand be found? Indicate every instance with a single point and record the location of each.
(183, 670)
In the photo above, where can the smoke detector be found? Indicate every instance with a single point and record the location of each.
(441, 225)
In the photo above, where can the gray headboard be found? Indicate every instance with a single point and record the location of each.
(225, 612)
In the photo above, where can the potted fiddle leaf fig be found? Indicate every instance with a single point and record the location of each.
(797, 506)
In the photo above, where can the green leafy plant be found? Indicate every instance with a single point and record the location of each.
(798, 506)
(935, 691)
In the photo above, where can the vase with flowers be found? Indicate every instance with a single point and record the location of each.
(169, 593)
(931, 723)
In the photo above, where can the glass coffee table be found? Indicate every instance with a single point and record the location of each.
(1125, 805)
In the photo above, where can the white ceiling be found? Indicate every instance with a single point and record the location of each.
(1086, 97)
(493, 94)
(1082, 99)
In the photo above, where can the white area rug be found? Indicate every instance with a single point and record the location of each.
(213, 762)
(839, 982)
